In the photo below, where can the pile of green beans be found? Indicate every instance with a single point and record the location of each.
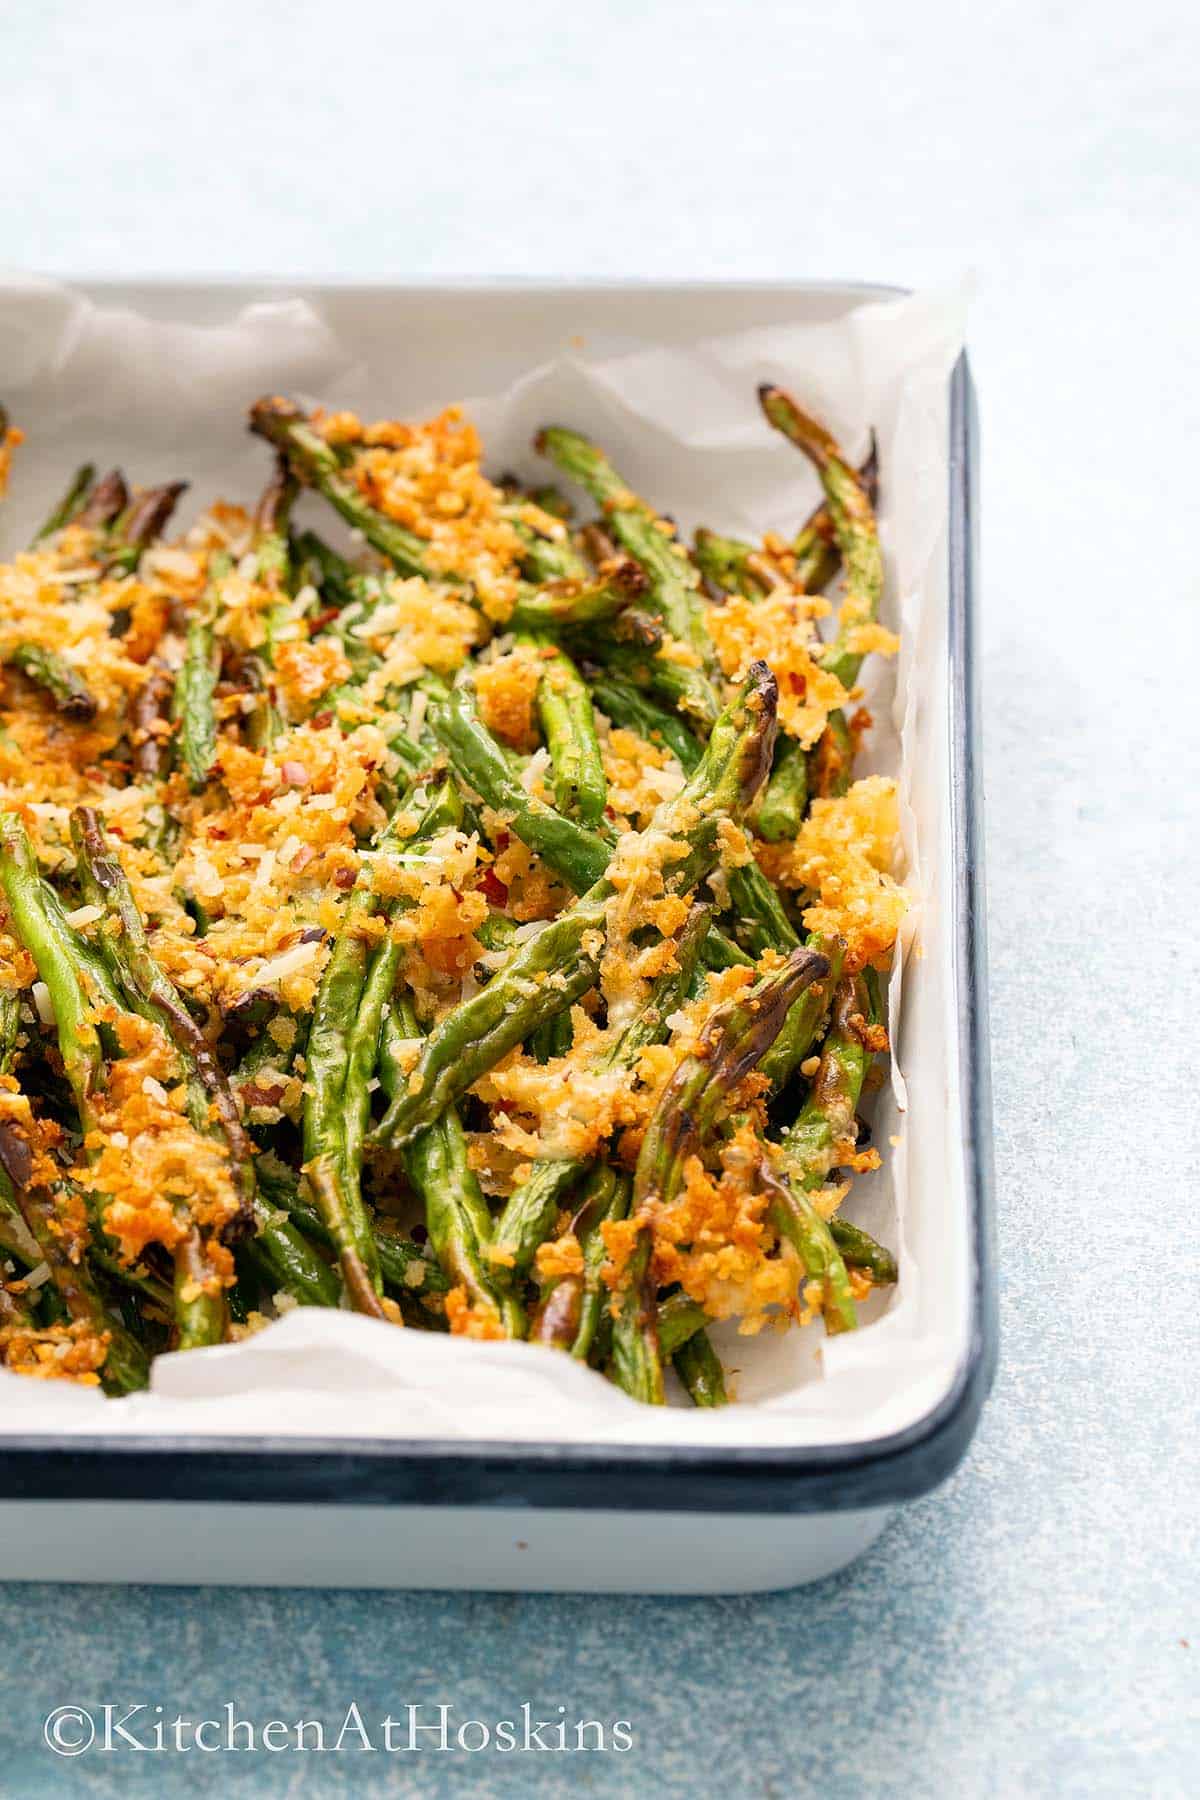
(371, 1193)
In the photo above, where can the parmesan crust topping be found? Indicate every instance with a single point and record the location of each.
(778, 630)
(844, 853)
(323, 729)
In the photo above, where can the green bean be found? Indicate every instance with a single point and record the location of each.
(547, 559)
(316, 465)
(803, 1024)
(853, 524)
(815, 548)
(860, 1251)
(760, 921)
(552, 500)
(10, 1027)
(636, 1362)
(196, 683)
(674, 582)
(785, 797)
(578, 605)
(699, 1368)
(340, 583)
(272, 542)
(38, 926)
(733, 1041)
(578, 855)
(827, 1118)
(139, 524)
(456, 1213)
(808, 1147)
(279, 1253)
(738, 568)
(106, 502)
(339, 1060)
(406, 1266)
(35, 924)
(569, 732)
(148, 718)
(727, 563)
(613, 1202)
(679, 1318)
(133, 966)
(560, 1318)
(70, 506)
(138, 1279)
(551, 1039)
(199, 1311)
(272, 548)
(676, 685)
(47, 669)
(798, 1224)
(628, 706)
(831, 759)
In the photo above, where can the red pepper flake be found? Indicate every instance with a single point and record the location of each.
(491, 886)
(344, 879)
(254, 1095)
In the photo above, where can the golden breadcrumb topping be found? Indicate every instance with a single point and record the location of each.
(778, 630)
(415, 628)
(307, 672)
(843, 854)
(9, 440)
(74, 1352)
(324, 719)
(561, 1256)
(472, 1319)
(156, 1173)
(55, 598)
(639, 774)
(714, 1240)
(505, 690)
(520, 880)
(570, 1107)
(428, 478)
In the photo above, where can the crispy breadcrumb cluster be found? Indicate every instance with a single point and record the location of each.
(71, 1352)
(778, 630)
(472, 1319)
(506, 689)
(640, 776)
(428, 478)
(10, 437)
(156, 1173)
(843, 856)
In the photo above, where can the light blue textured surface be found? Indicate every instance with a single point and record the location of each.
(1023, 1630)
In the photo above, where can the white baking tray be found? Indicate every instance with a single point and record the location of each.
(775, 1502)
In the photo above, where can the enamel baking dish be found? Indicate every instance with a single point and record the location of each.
(475, 1511)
